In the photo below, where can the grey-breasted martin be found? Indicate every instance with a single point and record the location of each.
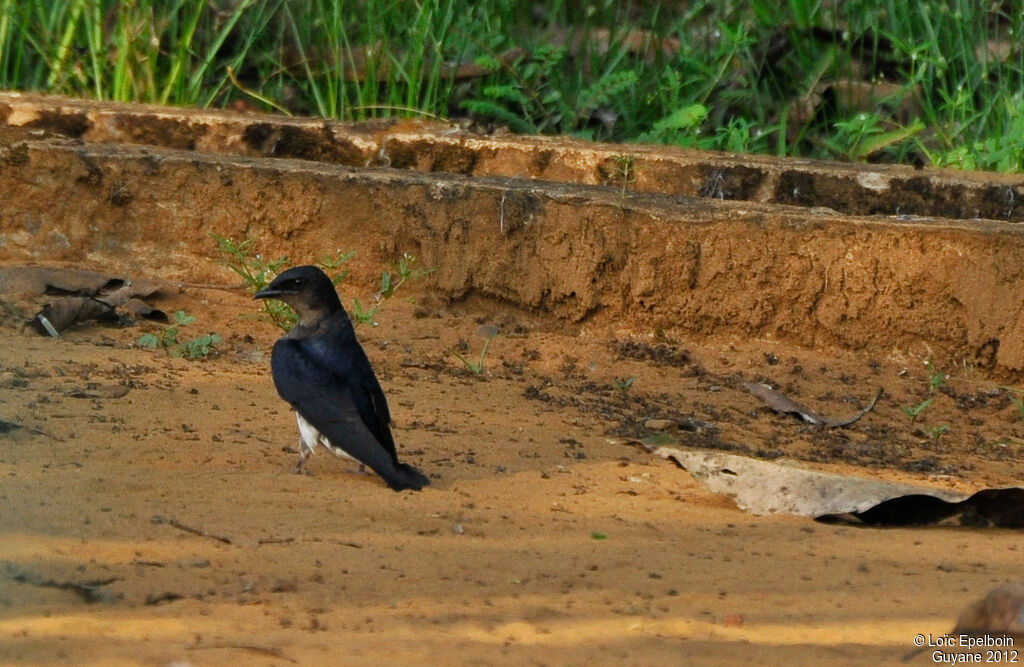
(321, 369)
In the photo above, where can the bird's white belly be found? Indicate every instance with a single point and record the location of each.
(311, 437)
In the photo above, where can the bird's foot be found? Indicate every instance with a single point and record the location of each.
(299, 469)
(305, 451)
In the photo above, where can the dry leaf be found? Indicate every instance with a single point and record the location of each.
(779, 402)
(61, 313)
(82, 295)
(102, 391)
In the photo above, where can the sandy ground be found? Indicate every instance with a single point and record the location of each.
(164, 526)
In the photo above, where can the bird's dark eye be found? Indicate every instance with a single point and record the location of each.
(299, 283)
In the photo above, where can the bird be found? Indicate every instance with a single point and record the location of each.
(320, 368)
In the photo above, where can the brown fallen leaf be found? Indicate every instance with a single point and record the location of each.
(77, 282)
(61, 313)
(102, 391)
(852, 96)
(65, 311)
(781, 403)
(41, 280)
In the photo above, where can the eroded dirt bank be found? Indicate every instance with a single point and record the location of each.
(436, 147)
(585, 256)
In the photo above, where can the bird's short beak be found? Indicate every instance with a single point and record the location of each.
(267, 293)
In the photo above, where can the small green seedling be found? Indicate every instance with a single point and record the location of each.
(914, 411)
(625, 173)
(598, 536)
(477, 367)
(938, 431)
(936, 380)
(196, 348)
(389, 284)
(1019, 403)
(624, 384)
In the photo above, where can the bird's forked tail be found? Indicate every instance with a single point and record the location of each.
(407, 477)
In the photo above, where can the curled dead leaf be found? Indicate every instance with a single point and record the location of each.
(101, 391)
(781, 403)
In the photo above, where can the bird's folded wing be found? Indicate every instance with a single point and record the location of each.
(323, 392)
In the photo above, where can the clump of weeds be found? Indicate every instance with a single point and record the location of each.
(257, 272)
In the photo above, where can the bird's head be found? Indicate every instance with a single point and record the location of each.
(307, 289)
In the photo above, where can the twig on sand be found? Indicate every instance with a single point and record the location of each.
(189, 529)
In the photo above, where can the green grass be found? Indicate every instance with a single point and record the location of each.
(477, 367)
(757, 76)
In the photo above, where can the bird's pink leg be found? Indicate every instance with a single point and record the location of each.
(304, 452)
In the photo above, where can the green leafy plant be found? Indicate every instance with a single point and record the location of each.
(538, 92)
(241, 257)
(865, 134)
(936, 378)
(401, 272)
(680, 127)
(332, 265)
(194, 348)
(257, 272)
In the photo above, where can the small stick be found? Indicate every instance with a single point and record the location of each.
(189, 529)
(195, 531)
(220, 286)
